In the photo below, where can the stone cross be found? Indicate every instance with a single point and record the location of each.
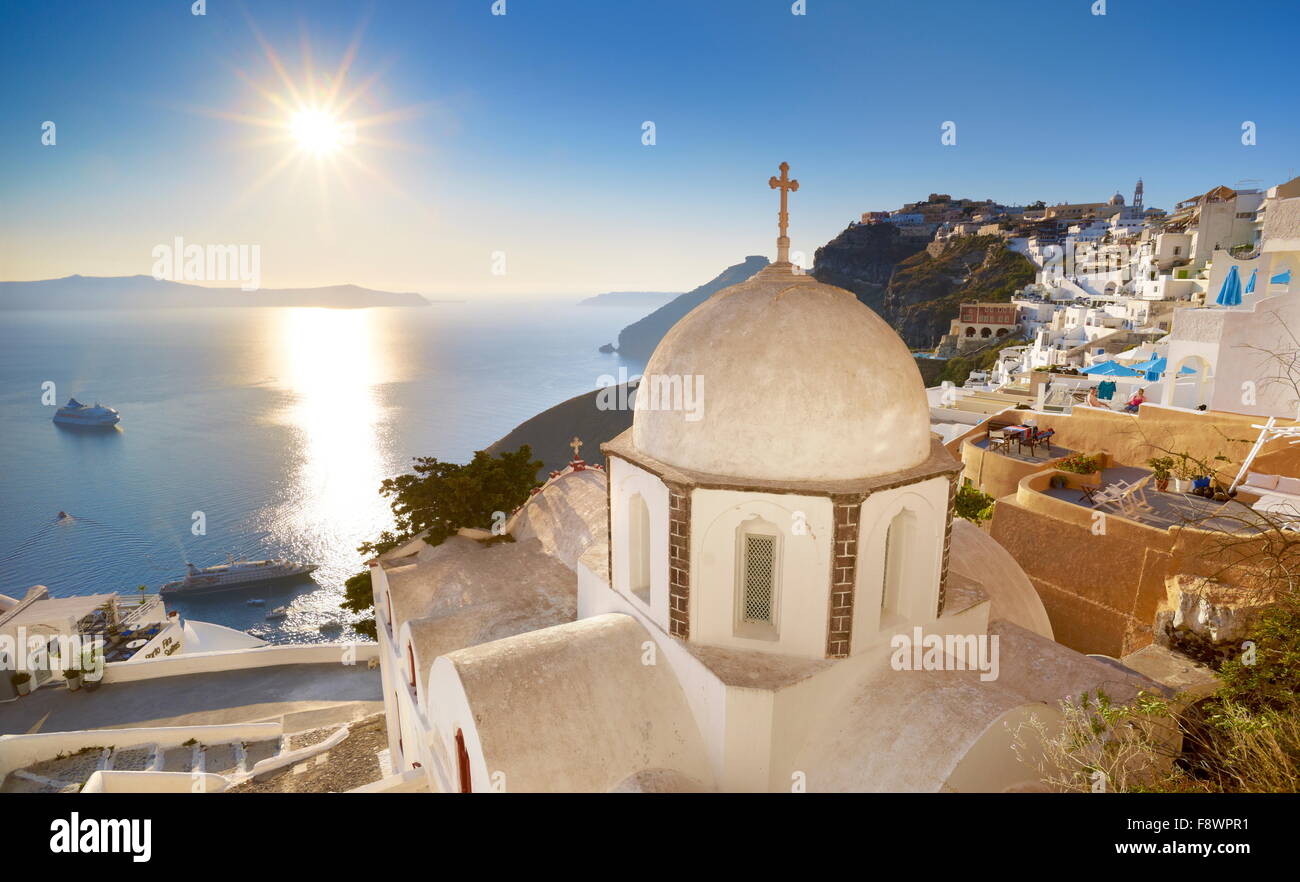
(576, 444)
(786, 184)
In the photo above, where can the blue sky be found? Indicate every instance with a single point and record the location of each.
(521, 133)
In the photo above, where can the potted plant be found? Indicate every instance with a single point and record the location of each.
(1161, 467)
(72, 677)
(1183, 471)
(22, 682)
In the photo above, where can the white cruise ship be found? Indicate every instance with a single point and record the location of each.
(74, 413)
(234, 574)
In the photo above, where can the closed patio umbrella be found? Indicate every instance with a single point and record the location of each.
(1230, 293)
(1250, 286)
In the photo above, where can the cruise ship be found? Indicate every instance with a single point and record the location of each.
(74, 413)
(235, 574)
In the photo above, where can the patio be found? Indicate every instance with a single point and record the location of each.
(1037, 454)
(1169, 509)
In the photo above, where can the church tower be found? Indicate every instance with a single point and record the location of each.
(1137, 198)
(780, 490)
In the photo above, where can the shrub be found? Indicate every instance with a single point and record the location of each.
(973, 504)
(1080, 464)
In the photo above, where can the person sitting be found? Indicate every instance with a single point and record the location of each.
(1094, 401)
(1135, 402)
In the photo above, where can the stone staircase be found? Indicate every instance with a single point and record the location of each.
(68, 774)
(234, 760)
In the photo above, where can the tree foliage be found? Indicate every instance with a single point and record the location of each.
(441, 497)
(438, 498)
(973, 504)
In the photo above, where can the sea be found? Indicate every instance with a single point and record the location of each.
(256, 433)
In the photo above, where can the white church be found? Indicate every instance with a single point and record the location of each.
(721, 606)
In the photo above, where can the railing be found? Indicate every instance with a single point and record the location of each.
(148, 608)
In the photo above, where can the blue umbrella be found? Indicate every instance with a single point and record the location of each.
(1282, 278)
(1110, 369)
(1230, 293)
(1250, 286)
(1154, 363)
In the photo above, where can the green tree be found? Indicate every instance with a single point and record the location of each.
(973, 505)
(438, 498)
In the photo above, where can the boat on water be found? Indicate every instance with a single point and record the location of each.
(74, 413)
(235, 574)
(278, 613)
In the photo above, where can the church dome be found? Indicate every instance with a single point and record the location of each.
(794, 380)
(1117, 199)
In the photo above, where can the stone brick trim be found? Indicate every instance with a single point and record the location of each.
(679, 560)
(844, 567)
(947, 542)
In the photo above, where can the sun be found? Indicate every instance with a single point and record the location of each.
(319, 131)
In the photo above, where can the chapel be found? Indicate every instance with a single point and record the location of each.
(744, 596)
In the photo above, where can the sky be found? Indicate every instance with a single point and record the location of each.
(504, 155)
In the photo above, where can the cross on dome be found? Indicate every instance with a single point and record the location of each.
(786, 185)
(576, 445)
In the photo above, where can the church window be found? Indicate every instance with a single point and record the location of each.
(757, 579)
(639, 547)
(410, 656)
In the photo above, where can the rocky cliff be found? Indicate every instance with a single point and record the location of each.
(926, 289)
(862, 260)
(549, 432)
(640, 338)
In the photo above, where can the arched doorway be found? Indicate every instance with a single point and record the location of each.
(1190, 390)
(462, 764)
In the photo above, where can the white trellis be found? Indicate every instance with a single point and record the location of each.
(1270, 431)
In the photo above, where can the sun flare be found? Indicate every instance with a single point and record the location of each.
(318, 131)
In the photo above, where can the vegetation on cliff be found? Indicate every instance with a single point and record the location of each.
(862, 260)
(927, 289)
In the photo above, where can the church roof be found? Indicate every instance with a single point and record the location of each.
(796, 380)
(911, 731)
(464, 592)
(575, 708)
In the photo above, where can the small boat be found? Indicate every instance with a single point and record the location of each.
(256, 601)
(331, 625)
(276, 614)
(63, 516)
(235, 574)
(74, 413)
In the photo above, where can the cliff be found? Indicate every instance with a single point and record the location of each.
(640, 338)
(549, 433)
(862, 259)
(927, 289)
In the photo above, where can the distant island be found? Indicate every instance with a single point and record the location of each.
(640, 338)
(651, 299)
(146, 292)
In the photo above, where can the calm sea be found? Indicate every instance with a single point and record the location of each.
(277, 424)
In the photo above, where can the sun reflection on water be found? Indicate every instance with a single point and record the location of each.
(331, 366)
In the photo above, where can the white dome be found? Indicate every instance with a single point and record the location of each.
(1117, 199)
(799, 381)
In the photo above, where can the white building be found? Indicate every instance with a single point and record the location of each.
(723, 609)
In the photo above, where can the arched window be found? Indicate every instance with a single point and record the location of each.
(758, 569)
(462, 764)
(970, 332)
(410, 656)
(638, 547)
(986, 332)
(898, 540)
(1002, 332)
